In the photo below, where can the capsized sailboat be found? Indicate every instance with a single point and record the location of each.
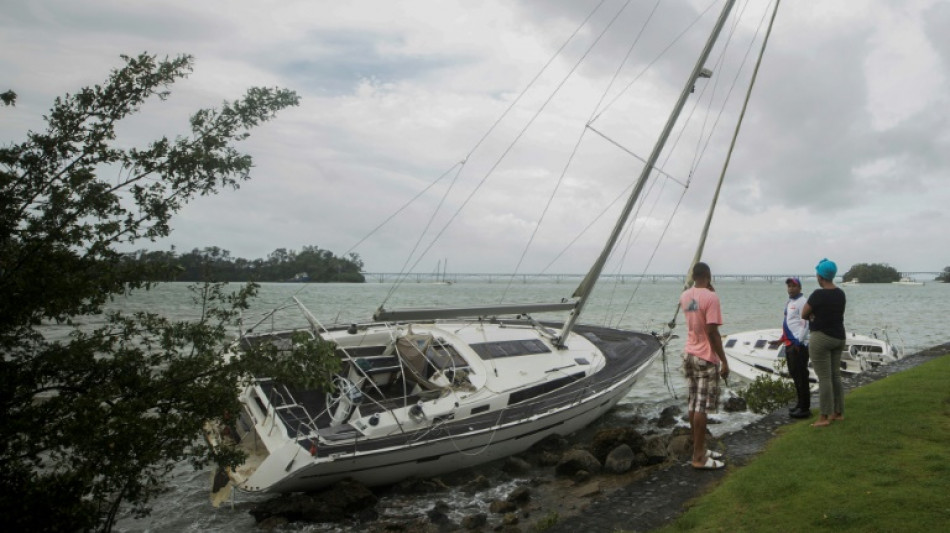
(428, 391)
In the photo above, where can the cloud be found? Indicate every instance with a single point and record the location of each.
(842, 154)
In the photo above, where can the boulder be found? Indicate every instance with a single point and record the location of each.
(475, 521)
(656, 449)
(607, 439)
(620, 460)
(420, 486)
(668, 416)
(501, 507)
(574, 461)
(516, 466)
(519, 496)
(334, 504)
(734, 404)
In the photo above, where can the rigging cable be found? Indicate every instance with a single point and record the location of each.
(725, 166)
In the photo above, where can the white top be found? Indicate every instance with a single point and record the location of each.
(796, 327)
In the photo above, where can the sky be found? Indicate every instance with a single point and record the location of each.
(843, 153)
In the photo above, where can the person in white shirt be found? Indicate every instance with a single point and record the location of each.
(795, 339)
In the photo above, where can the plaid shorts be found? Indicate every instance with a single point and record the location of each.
(702, 377)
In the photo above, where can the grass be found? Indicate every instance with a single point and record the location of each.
(886, 467)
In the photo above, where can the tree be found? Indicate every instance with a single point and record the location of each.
(872, 273)
(97, 420)
(944, 276)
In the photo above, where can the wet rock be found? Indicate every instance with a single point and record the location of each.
(551, 443)
(510, 519)
(475, 521)
(420, 486)
(619, 460)
(548, 458)
(516, 466)
(439, 514)
(501, 507)
(335, 504)
(656, 449)
(477, 484)
(575, 460)
(607, 439)
(581, 476)
(668, 416)
(735, 405)
(519, 496)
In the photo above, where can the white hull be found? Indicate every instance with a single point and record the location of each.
(507, 403)
(750, 354)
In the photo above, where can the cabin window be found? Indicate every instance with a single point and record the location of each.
(496, 350)
(730, 343)
(538, 390)
(760, 343)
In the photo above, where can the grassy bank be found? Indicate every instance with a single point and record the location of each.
(886, 467)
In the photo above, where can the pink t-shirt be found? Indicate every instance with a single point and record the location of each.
(701, 307)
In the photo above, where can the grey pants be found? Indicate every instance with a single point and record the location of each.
(825, 352)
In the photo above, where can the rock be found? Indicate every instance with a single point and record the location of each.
(680, 446)
(510, 519)
(272, 523)
(520, 495)
(420, 486)
(439, 514)
(475, 521)
(588, 490)
(477, 484)
(575, 460)
(548, 458)
(734, 405)
(607, 439)
(668, 416)
(501, 507)
(334, 504)
(656, 449)
(619, 460)
(551, 443)
(581, 476)
(516, 466)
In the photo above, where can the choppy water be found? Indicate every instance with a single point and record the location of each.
(914, 315)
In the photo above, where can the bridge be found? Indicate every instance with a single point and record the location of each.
(433, 277)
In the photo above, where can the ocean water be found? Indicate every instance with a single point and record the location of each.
(913, 317)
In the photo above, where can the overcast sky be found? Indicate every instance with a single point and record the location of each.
(844, 151)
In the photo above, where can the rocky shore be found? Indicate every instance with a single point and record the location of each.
(632, 475)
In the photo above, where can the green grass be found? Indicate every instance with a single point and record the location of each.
(886, 467)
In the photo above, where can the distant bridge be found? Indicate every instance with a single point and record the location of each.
(433, 277)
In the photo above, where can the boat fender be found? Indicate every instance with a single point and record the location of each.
(313, 448)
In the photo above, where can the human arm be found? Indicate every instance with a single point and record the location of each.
(715, 342)
(807, 312)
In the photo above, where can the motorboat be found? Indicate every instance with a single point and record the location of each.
(759, 353)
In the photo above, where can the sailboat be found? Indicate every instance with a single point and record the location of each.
(427, 391)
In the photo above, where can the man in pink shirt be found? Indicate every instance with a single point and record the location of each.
(705, 361)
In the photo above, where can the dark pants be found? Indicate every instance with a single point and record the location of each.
(797, 359)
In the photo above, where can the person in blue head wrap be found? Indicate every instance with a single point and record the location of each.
(826, 342)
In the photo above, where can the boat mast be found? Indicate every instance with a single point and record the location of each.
(587, 285)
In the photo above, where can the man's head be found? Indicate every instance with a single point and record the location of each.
(794, 286)
(701, 274)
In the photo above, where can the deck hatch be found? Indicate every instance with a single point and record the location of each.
(496, 350)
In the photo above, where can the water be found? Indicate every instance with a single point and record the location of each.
(912, 315)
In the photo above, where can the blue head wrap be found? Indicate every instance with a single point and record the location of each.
(827, 269)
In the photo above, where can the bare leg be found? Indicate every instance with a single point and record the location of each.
(697, 422)
(823, 421)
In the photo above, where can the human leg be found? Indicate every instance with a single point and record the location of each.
(837, 387)
(797, 360)
(819, 349)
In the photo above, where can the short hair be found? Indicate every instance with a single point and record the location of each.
(701, 271)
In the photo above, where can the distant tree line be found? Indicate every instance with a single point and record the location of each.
(945, 275)
(311, 264)
(872, 273)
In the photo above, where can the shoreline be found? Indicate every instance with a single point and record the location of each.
(656, 499)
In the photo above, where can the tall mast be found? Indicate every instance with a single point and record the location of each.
(587, 285)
